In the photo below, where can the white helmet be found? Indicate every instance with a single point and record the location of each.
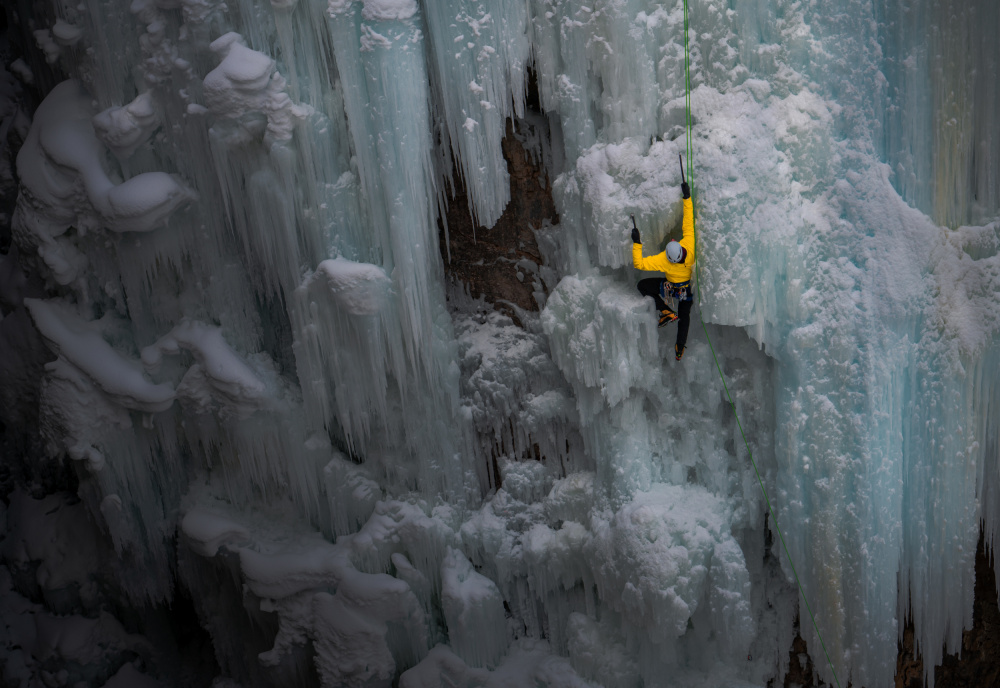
(675, 252)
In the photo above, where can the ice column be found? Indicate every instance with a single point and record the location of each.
(382, 66)
(593, 63)
(480, 55)
(405, 341)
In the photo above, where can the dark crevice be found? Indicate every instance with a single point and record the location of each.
(501, 262)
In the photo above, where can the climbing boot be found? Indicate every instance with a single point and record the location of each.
(667, 316)
(678, 352)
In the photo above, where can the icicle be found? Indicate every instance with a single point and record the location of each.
(480, 55)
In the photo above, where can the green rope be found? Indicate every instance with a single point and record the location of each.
(760, 481)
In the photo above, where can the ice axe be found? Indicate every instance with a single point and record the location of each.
(636, 239)
(681, 161)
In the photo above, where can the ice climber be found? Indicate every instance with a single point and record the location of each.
(675, 262)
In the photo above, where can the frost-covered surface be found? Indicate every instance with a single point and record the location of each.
(226, 235)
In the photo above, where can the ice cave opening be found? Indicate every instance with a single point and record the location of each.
(322, 360)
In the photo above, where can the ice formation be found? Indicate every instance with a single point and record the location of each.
(225, 301)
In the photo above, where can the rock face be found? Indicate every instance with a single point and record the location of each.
(502, 262)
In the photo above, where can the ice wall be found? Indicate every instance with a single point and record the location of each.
(938, 134)
(229, 217)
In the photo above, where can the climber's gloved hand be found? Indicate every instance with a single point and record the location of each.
(685, 190)
(636, 239)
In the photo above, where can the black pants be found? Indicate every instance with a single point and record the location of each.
(652, 287)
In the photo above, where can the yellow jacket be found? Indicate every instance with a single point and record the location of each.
(674, 272)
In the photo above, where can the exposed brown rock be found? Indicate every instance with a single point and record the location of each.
(800, 666)
(488, 261)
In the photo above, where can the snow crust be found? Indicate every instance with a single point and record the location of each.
(375, 10)
(246, 82)
(358, 288)
(124, 129)
(84, 348)
(64, 184)
(218, 375)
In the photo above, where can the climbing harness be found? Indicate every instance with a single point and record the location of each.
(680, 291)
(673, 293)
(760, 481)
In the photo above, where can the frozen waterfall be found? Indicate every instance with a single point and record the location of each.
(251, 390)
